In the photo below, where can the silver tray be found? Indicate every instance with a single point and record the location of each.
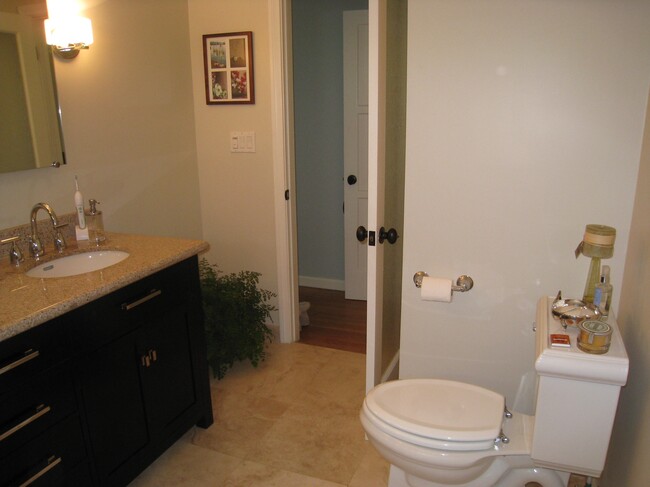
(572, 312)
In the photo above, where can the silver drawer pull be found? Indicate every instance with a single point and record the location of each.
(27, 356)
(50, 463)
(40, 411)
(152, 294)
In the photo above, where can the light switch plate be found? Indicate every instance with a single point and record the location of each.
(234, 141)
(242, 141)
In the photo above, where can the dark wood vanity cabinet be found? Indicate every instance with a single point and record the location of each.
(41, 435)
(137, 371)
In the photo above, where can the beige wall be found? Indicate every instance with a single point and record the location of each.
(516, 139)
(236, 188)
(128, 124)
(627, 464)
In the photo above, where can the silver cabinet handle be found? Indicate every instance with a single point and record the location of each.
(50, 463)
(152, 294)
(26, 357)
(40, 411)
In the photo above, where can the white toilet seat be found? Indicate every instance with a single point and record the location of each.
(391, 414)
(435, 413)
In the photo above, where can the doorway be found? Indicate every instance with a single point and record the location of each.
(317, 48)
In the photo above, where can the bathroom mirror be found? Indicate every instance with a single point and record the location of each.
(30, 124)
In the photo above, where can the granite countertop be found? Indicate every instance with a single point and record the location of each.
(26, 302)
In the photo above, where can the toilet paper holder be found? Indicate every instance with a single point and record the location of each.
(463, 283)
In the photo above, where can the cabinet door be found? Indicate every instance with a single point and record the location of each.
(114, 410)
(167, 379)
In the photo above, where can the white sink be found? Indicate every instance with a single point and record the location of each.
(76, 264)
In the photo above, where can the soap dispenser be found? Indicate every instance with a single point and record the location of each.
(95, 223)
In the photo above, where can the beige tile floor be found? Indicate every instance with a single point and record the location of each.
(293, 421)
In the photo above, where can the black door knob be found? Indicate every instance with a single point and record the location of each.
(390, 235)
(362, 233)
(352, 179)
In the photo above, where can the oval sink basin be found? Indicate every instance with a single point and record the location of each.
(73, 265)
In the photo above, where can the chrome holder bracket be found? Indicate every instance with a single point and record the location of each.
(463, 283)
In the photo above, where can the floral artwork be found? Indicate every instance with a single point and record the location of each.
(217, 54)
(228, 64)
(219, 86)
(238, 84)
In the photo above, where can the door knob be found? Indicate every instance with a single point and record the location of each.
(390, 235)
(352, 179)
(362, 233)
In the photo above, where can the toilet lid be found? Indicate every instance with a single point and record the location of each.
(440, 409)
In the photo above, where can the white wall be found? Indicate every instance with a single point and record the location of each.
(236, 188)
(627, 463)
(128, 124)
(524, 124)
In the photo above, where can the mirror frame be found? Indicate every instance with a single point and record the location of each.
(43, 105)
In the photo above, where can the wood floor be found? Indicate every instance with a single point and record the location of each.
(335, 322)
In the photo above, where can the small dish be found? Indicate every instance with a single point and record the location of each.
(572, 312)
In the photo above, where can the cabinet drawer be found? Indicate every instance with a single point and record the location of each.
(32, 352)
(29, 410)
(124, 310)
(50, 459)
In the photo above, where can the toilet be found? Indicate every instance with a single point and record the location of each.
(437, 432)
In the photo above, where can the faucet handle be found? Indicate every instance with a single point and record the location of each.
(15, 255)
(59, 240)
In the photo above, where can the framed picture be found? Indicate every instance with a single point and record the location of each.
(228, 63)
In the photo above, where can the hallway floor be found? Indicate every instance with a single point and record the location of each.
(293, 421)
(335, 322)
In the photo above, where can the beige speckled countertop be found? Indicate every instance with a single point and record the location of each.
(26, 302)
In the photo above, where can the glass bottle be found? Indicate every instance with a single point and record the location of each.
(603, 293)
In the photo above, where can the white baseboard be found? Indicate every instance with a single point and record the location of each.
(392, 371)
(322, 283)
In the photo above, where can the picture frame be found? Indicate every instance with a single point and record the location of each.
(228, 68)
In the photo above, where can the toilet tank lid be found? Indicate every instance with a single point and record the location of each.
(441, 409)
(572, 363)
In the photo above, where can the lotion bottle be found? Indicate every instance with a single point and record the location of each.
(603, 293)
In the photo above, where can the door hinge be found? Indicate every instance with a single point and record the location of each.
(286, 195)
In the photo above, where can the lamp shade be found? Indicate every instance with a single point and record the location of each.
(68, 31)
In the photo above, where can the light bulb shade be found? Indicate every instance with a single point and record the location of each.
(70, 32)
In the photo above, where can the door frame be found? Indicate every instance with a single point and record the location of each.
(279, 16)
(286, 239)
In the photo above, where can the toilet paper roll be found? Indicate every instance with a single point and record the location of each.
(436, 289)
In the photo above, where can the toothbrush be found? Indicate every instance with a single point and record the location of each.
(79, 205)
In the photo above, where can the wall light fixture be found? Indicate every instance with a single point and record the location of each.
(65, 29)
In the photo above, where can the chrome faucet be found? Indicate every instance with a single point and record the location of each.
(35, 245)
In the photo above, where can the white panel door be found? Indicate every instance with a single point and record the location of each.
(376, 160)
(355, 149)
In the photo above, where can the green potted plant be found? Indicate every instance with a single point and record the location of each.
(236, 311)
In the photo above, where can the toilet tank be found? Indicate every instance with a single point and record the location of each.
(577, 397)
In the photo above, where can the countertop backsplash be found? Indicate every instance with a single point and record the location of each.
(45, 231)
